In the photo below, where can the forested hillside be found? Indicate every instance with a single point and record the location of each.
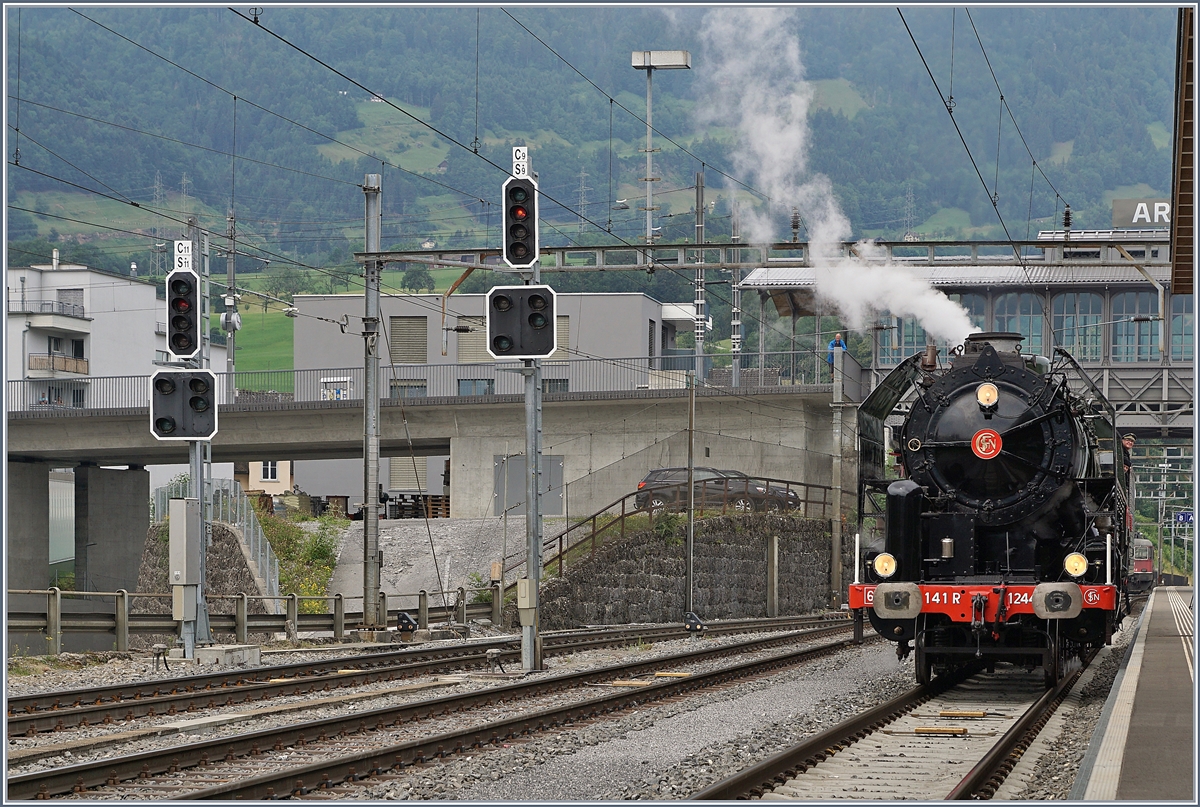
(92, 108)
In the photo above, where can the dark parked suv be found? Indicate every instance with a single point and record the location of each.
(666, 488)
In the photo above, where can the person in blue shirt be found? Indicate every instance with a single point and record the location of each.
(837, 341)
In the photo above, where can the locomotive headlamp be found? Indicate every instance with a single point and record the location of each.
(885, 564)
(987, 394)
(1075, 564)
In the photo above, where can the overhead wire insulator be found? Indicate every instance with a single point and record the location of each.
(1067, 217)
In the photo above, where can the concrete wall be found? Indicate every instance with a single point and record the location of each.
(112, 512)
(641, 579)
(28, 502)
(613, 325)
(608, 447)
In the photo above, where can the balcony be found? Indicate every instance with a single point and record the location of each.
(46, 307)
(52, 315)
(56, 363)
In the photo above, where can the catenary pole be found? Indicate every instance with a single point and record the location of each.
(370, 510)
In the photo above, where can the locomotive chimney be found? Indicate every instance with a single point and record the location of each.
(929, 361)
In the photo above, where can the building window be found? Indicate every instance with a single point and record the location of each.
(55, 344)
(1183, 324)
(77, 348)
(476, 386)
(555, 385)
(270, 471)
(472, 346)
(1023, 314)
(1076, 320)
(408, 340)
(161, 355)
(900, 338)
(1134, 340)
(652, 339)
(402, 388)
(976, 308)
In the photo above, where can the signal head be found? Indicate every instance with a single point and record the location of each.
(164, 385)
(518, 193)
(164, 425)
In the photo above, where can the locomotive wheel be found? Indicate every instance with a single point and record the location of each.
(924, 663)
(1055, 669)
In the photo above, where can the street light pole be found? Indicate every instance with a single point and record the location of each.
(651, 60)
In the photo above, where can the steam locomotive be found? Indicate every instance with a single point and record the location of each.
(1005, 536)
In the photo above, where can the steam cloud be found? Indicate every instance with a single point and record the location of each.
(756, 87)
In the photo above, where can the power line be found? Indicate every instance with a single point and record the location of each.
(632, 114)
(272, 112)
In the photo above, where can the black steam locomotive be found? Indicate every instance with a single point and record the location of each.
(1004, 535)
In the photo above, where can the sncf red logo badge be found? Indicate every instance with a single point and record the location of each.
(986, 443)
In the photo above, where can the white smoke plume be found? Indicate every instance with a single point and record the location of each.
(756, 86)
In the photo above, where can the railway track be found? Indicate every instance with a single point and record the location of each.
(324, 752)
(29, 715)
(957, 738)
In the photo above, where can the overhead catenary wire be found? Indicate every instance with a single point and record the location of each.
(634, 115)
(270, 111)
(653, 263)
(995, 206)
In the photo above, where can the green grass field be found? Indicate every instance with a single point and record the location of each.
(1160, 135)
(392, 135)
(838, 95)
(1061, 152)
(265, 340)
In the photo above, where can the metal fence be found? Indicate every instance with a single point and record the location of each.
(46, 307)
(42, 612)
(276, 387)
(225, 501)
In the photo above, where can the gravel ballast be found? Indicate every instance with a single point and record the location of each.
(668, 750)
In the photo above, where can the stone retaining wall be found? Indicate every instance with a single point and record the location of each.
(641, 579)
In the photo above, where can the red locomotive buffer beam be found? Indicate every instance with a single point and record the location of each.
(956, 601)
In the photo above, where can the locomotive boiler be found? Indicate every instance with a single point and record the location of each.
(999, 534)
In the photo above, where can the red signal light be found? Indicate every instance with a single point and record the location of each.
(519, 212)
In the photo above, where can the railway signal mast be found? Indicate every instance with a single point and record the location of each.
(521, 324)
(183, 407)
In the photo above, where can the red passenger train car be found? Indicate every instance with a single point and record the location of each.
(1142, 572)
(1004, 538)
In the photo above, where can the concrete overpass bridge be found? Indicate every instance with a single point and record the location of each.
(623, 418)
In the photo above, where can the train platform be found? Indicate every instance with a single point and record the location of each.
(1143, 748)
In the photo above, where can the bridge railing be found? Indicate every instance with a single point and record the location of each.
(274, 387)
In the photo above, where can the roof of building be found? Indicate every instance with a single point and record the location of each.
(981, 274)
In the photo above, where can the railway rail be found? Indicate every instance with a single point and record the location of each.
(914, 746)
(324, 752)
(29, 715)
